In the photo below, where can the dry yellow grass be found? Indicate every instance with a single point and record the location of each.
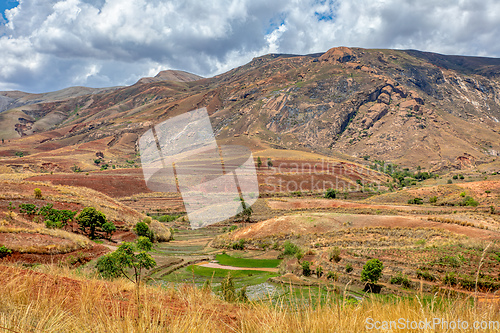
(114, 210)
(77, 242)
(64, 302)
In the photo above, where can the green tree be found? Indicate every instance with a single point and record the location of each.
(259, 162)
(372, 270)
(92, 219)
(129, 256)
(108, 228)
(269, 163)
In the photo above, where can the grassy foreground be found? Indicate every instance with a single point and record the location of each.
(52, 299)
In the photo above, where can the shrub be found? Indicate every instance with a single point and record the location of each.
(348, 268)
(290, 249)
(461, 177)
(239, 245)
(55, 218)
(108, 228)
(455, 177)
(319, 271)
(259, 162)
(372, 270)
(334, 254)
(402, 280)
(450, 279)
(331, 193)
(28, 209)
(450, 181)
(433, 199)
(306, 268)
(332, 276)
(142, 229)
(416, 201)
(425, 275)
(4, 251)
(469, 201)
(38, 193)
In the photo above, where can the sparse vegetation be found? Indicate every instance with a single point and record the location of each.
(334, 254)
(4, 251)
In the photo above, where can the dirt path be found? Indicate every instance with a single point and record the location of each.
(233, 268)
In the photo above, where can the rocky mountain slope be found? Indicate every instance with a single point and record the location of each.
(408, 107)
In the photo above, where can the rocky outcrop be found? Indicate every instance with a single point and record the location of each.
(338, 55)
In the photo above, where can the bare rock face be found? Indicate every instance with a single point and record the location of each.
(384, 98)
(338, 55)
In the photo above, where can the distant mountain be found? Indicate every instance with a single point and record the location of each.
(409, 107)
(171, 75)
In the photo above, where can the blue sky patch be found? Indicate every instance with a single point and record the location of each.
(7, 4)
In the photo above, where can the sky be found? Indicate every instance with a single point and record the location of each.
(47, 45)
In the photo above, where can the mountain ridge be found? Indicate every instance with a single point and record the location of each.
(390, 105)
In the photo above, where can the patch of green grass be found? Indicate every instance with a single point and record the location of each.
(227, 260)
(220, 273)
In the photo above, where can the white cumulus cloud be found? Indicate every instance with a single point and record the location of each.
(51, 44)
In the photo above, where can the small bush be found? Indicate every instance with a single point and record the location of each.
(416, 201)
(402, 280)
(334, 254)
(28, 209)
(38, 193)
(331, 193)
(319, 271)
(306, 268)
(348, 268)
(425, 275)
(450, 279)
(433, 199)
(469, 201)
(4, 251)
(290, 249)
(142, 229)
(332, 276)
(240, 245)
(108, 228)
(450, 181)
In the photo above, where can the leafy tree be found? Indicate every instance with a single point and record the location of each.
(246, 213)
(142, 229)
(108, 228)
(269, 163)
(372, 270)
(92, 219)
(128, 256)
(259, 162)
(38, 193)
